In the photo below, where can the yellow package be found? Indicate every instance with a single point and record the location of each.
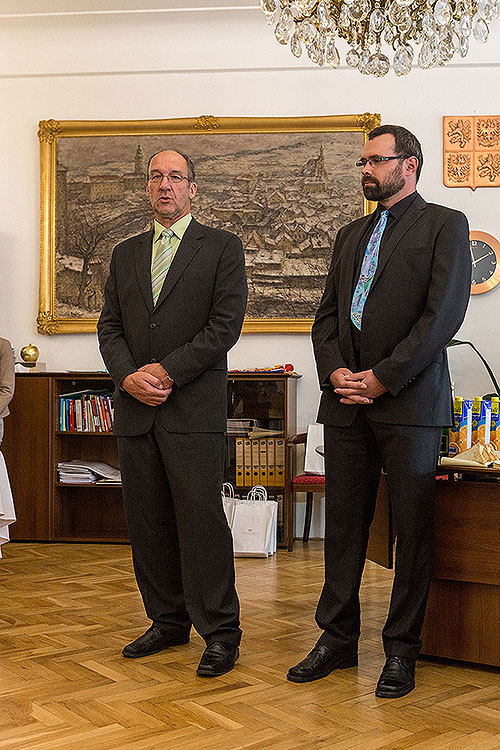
(495, 424)
(484, 423)
(457, 413)
(465, 426)
(476, 416)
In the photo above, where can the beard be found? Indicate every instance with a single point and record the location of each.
(380, 191)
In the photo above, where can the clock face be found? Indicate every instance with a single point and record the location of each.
(485, 257)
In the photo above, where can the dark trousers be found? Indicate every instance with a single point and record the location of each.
(354, 457)
(181, 543)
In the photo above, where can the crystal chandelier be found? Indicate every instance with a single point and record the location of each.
(431, 31)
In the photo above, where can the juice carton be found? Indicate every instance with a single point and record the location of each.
(465, 426)
(484, 423)
(495, 423)
(457, 413)
(476, 416)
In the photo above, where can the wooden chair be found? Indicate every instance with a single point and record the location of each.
(308, 483)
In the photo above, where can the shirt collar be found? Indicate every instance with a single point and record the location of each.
(178, 228)
(398, 209)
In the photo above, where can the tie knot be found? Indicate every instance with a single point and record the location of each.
(166, 234)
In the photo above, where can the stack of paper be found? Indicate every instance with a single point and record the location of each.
(87, 472)
(238, 426)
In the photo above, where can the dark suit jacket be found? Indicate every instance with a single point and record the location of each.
(195, 322)
(417, 302)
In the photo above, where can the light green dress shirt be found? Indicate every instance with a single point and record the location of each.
(178, 229)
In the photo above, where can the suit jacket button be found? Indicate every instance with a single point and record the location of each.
(153, 359)
(152, 325)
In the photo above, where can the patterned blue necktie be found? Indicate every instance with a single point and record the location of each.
(368, 268)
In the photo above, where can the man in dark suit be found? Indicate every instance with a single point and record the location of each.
(396, 293)
(174, 305)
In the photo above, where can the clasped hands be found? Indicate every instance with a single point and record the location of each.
(356, 387)
(149, 384)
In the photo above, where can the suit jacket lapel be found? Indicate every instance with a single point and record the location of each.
(190, 244)
(402, 226)
(143, 267)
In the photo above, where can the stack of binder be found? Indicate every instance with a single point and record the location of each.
(260, 460)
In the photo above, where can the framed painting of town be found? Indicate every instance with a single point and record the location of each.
(284, 185)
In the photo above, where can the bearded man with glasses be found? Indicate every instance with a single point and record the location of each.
(174, 305)
(396, 293)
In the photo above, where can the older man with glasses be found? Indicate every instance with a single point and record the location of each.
(396, 293)
(174, 305)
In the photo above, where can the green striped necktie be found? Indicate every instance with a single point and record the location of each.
(161, 261)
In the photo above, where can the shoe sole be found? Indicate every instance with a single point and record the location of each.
(201, 673)
(156, 651)
(401, 694)
(347, 664)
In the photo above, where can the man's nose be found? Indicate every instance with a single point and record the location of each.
(165, 182)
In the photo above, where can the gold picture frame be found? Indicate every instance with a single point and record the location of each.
(292, 177)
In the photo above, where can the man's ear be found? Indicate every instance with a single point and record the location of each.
(412, 164)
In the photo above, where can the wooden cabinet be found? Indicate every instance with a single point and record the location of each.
(48, 510)
(259, 455)
(28, 451)
(463, 612)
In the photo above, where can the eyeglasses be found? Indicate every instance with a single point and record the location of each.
(173, 179)
(374, 160)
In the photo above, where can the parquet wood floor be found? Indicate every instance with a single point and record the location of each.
(67, 610)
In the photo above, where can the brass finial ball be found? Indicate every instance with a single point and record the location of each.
(30, 354)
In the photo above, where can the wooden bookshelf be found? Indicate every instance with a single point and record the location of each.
(48, 510)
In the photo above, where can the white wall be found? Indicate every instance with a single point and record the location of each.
(183, 64)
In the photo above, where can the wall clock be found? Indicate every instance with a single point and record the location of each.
(485, 256)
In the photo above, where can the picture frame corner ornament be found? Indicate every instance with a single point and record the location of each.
(368, 121)
(46, 323)
(48, 130)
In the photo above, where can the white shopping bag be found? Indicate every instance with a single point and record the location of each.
(7, 512)
(313, 462)
(228, 501)
(255, 525)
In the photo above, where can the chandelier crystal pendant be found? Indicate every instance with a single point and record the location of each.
(429, 33)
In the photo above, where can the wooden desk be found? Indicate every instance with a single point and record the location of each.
(463, 614)
(462, 620)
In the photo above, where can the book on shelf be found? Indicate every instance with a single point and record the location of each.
(78, 471)
(86, 411)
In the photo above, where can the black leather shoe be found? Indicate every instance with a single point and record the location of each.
(397, 677)
(151, 642)
(218, 658)
(319, 663)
